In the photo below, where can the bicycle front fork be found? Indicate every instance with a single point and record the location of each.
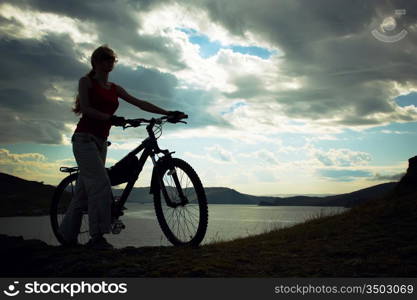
(173, 173)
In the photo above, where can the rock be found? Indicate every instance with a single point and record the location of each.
(408, 183)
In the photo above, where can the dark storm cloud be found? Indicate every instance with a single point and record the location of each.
(161, 89)
(146, 81)
(90, 10)
(328, 44)
(17, 129)
(346, 72)
(197, 104)
(249, 86)
(29, 69)
(32, 67)
(30, 58)
(116, 23)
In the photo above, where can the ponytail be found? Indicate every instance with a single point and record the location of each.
(77, 107)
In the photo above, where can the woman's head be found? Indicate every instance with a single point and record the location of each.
(103, 59)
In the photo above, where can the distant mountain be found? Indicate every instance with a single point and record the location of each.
(23, 197)
(221, 195)
(292, 195)
(215, 195)
(346, 200)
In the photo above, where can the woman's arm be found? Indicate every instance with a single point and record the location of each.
(83, 86)
(146, 106)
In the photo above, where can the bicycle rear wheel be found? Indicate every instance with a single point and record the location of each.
(184, 222)
(63, 195)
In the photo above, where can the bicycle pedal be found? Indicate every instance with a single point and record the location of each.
(117, 227)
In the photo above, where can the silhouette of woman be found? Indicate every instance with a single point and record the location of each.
(96, 102)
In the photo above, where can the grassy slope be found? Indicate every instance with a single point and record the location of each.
(376, 239)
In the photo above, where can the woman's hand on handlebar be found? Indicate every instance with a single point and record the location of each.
(176, 116)
(172, 117)
(117, 121)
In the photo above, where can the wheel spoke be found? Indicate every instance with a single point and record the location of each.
(189, 231)
(191, 213)
(170, 218)
(187, 221)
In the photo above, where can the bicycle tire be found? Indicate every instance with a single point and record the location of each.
(60, 201)
(197, 195)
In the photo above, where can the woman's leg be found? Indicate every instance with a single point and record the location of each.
(90, 156)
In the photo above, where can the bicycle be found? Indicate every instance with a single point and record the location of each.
(182, 213)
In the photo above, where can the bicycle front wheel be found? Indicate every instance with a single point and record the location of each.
(180, 203)
(63, 195)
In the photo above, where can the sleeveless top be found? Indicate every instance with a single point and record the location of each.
(103, 100)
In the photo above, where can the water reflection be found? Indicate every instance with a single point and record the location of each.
(226, 222)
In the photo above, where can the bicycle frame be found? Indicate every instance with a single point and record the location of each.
(151, 148)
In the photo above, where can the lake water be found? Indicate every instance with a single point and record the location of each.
(226, 222)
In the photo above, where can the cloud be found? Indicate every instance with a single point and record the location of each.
(267, 156)
(23, 23)
(343, 175)
(5, 155)
(262, 155)
(162, 89)
(215, 154)
(30, 165)
(387, 177)
(149, 82)
(117, 24)
(346, 76)
(315, 76)
(30, 69)
(219, 154)
(385, 131)
(41, 66)
(341, 157)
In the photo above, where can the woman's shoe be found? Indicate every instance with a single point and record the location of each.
(99, 243)
(71, 243)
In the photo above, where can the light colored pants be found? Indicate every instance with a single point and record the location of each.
(92, 190)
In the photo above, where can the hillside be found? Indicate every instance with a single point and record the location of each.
(22, 197)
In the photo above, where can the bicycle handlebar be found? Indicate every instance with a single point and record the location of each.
(153, 121)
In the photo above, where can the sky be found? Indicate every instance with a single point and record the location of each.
(283, 97)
